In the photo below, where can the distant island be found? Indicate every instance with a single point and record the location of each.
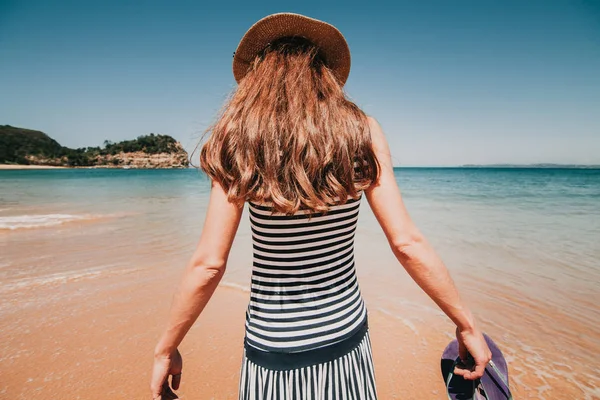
(20, 146)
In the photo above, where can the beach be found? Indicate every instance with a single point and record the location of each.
(23, 166)
(91, 258)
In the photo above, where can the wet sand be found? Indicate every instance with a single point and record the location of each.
(97, 344)
(103, 349)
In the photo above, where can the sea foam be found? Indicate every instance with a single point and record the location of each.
(60, 278)
(39, 220)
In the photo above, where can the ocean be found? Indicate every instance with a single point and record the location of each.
(522, 244)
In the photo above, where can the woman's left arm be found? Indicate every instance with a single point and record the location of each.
(200, 279)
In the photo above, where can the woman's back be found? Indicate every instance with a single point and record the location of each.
(304, 290)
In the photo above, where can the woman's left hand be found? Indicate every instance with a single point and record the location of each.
(163, 367)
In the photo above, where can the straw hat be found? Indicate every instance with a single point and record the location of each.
(330, 41)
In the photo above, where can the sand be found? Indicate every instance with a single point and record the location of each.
(18, 166)
(104, 350)
(98, 344)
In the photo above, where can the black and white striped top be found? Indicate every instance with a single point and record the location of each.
(304, 292)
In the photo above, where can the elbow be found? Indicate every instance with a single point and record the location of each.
(210, 269)
(406, 248)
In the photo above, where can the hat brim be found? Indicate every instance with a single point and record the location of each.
(332, 44)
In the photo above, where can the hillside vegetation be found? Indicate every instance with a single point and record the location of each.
(16, 144)
(26, 146)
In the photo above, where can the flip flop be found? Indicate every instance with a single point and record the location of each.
(493, 385)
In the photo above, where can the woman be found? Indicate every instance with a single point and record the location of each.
(292, 146)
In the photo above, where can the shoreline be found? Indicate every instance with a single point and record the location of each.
(15, 167)
(23, 166)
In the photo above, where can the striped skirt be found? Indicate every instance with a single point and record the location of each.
(349, 377)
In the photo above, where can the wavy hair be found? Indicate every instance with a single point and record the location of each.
(288, 135)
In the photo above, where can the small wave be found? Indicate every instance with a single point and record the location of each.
(405, 321)
(40, 220)
(235, 286)
(65, 277)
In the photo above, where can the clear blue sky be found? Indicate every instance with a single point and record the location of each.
(451, 82)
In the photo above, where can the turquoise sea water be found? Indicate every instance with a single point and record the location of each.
(522, 244)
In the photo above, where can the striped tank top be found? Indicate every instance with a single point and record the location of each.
(304, 291)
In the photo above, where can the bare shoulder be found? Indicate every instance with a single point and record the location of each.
(374, 125)
(377, 136)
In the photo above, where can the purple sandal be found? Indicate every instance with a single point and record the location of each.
(493, 385)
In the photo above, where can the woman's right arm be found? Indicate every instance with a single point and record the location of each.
(418, 257)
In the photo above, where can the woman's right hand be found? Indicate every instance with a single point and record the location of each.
(471, 342)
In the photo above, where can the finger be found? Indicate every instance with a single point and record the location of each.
(460, 371)
(176, 381)
(479, 371)
(470, 374)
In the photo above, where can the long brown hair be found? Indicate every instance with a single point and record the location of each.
(289, 135)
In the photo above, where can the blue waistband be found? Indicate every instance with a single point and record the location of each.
(287, 361)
